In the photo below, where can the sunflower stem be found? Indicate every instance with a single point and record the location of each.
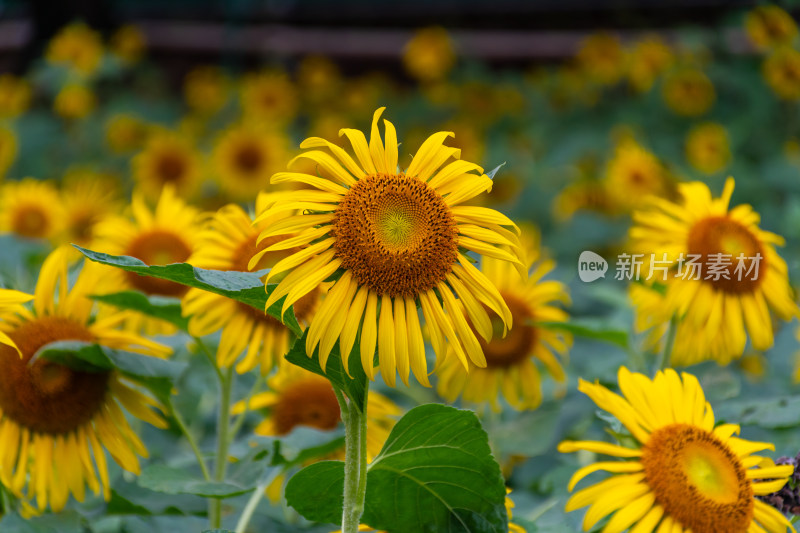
(223, 441)
(176, 415)
(355, 464)
(665, 359)
(255, 499)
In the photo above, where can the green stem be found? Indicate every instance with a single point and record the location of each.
(255, 499)
(176, 415)
(664, 360)
(209, 356)
(223, 441)
(355, 466)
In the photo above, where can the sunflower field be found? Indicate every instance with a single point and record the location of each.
(444, 296)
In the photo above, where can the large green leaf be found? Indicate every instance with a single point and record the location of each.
(354, 386)
(620, 338)
(245, 287)
(166, 309)
(169, 480)
(156, 374)
(435, 473)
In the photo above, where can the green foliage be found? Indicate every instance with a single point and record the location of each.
(435, 473)
(166, 309)
(170, 480)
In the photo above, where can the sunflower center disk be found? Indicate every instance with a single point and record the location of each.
(170, 168)
(248, 159)
(47, 397)
(395, 234)
(698, 480)
(739, 269)
(518, 344)
(158, 247)
(30, 221)
(308, 402)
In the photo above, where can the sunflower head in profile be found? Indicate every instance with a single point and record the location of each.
(15, 95)
(87, 197)
(31, 209)
(77, 47)
(511, 361)
(688, 92)
(647, 60)
(54, 418)
(708, 148)
(206, 89)
(167, 159)
(602, 58)
(680, 472)
(391, 239)
(161, 236)
(782, 73)
(430, 54)
(268, 97)
(229, 241)
(768, 26)
(633, 173)
(246, 157)
(74, 101)
(722, 276)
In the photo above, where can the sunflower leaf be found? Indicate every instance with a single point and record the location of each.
(169, 480)
(334, 371)
(618, 337)
(166, 309)
(435, 473)
(244, 287)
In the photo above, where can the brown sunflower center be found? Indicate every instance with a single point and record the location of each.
(518, 343)
(698, 480)
(170, 167)
(48, 397)
(30, 221)
(395, 234)
(732, 258)
(82, 225)
(248, 158)
(307, 402)
(158, 247)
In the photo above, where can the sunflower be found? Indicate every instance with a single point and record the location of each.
(708, 148)
(722, 273)
(229, 242)
(167, 158)
(158, 237)
(584, 195)
(511, 367)
(782, 73)
(319, 79)
(87, 198)
(206, 90)
(430, 54)
(31, 209)
(54, 419)
(633, 174)
(15, 96)
(128, 43)
(396, 239)
(126, 133)
(688, 92)
(77, 47)
(8, 149)
(769, 25)
(245, 157)
(74, 101)
(268, 97)
(648, 59)
(602, 58)
(680, 473)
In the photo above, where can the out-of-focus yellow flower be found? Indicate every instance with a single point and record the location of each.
(468, 137)
(87, 198)
(633, 174)
(77, 47)
(268, 97)
(689, 92)
(74, 101)
(319, 79)
(602, 58)
(206, 89)
(361, 95)
(586, 194)
(648, 59)
(708, 148)
(31, 209)
(15, 96)
(430, 54)
(8, 149)
(167, 158)
(782, 73)
(126, 133)
(128, 43)
(769, 26)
